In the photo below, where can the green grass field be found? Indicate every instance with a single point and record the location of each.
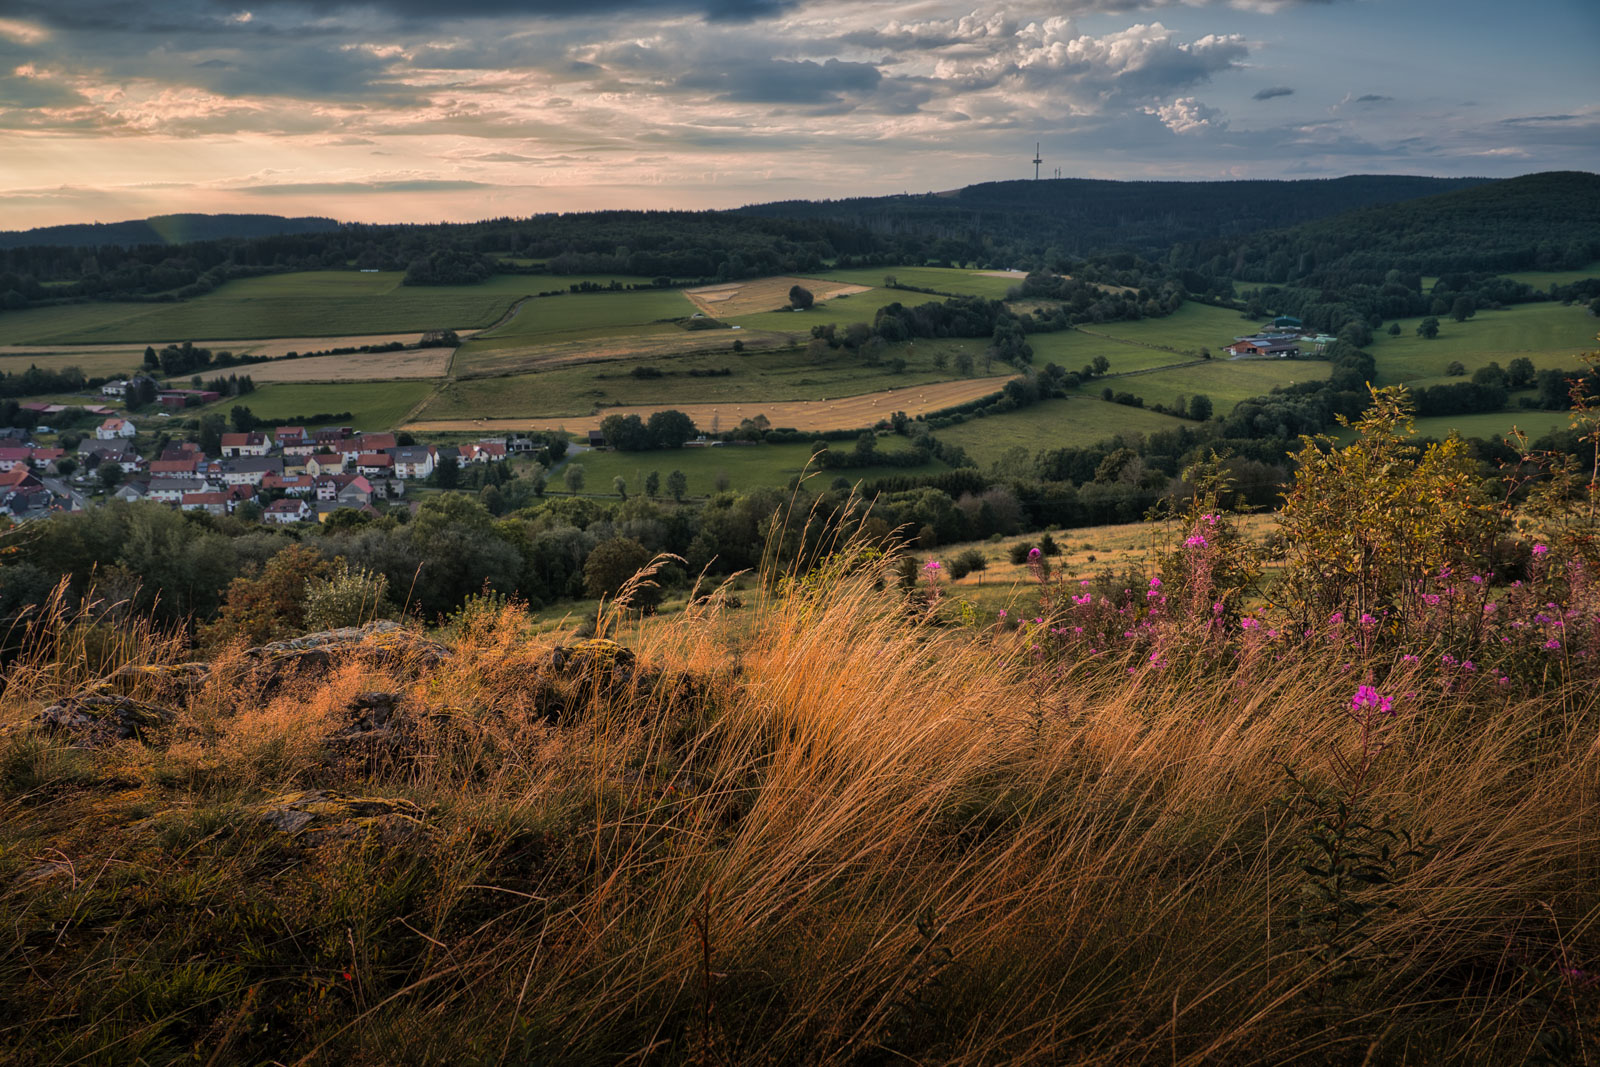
(1058, 423)
(1186, 331)
(781, 375)
(1495, 424)
(302, 304)
(940, 279)
(1072, 349)
(372, 405)
(745, 466)
(1543, 279)
(577, 315)
(1548, 334)
(1225, 381)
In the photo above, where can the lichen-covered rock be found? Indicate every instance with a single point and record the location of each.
(594, 657)
(375, 727)
(383, 642)
(99, 715)
(328, 814)
(166, 680)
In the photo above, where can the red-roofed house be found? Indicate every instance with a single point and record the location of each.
(374, 464)
(323, 464)
(215, 503)
(288, 510)
(114, 429)
(17, 479)
(164, 465)
(254, 443)
(294, 485)
(377, 442)
(14, 457)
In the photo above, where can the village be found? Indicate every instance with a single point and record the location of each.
(281, 475)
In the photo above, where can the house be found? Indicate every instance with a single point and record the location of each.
(597, 439)
(377, 442)
(484, 452)
(292, 485)
(116, 387)
(374, 464)
(413, 461)
(15, 457)
(164, 465)
(114, 429)
(18, 479)
(325, 463)
(254, 443)
(45, 458)
(214, 503)
(33, 502)
(524, 446)
(250, 470)
(167, 490)
(288, 510)
(284, 436)
(132, 492)
(15, 435)
(329, 507)
(356, 492)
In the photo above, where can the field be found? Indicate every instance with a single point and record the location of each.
(356, 367)
(993, 285)
(1543, 279)
(841, 311)
(744, 466)
(1186, 331)
(1548, 334)
(763, 294)
(589, 379)
(1225, 381)
(307, 304)
(1058, 423)
(574, 316)
(372, 405)
(842, 413)
(96, 362)
(1073, 349)
(1494, 425)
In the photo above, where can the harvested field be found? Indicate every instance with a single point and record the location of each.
(843, 413)
(763, 294)
(356, 367)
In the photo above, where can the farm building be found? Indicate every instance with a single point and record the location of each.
(1276, 348)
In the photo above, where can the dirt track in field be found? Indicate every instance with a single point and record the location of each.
(844, 413)
(763, 294)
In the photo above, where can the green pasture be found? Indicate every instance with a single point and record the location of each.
(1544, 279)
(1225, 381)
(372, 405)
(1548, 334)
(1494, 425)
(745, 466)
(1073, 349)
(1058, 423)
(940, 279)
(782, 375)
(575, 315)
(1185, 332)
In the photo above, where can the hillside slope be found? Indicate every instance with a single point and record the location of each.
(164, 230)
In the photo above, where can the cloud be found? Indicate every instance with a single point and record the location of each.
(1187, 115)
(1275, 91)
(1374, 98)
(404, 185)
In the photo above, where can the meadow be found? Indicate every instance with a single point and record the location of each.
(949, 280)
(1074, 349)
(1226, 381)
(1548, 334)
(575, 316)
(1543, 279)
(1186, 331)
(1057, 423)
(742, 467)
(302, 304)
(372, 405)
(841, 311)
(780, 375)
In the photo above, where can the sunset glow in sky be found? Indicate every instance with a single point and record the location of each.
(417, 110)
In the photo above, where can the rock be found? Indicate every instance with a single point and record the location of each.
(333, 815)
(167, 680)
(99, 716)
(374, 727)
(385, 642)
(595, 658)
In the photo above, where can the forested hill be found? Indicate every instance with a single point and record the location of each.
(1548, 221)
(163, 230)
(1075, 216)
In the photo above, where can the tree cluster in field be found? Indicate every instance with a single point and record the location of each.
(664, 429)
(181, 359)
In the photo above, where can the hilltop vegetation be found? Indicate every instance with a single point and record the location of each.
(844, 816)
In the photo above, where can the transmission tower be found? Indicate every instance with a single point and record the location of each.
(1036, 161)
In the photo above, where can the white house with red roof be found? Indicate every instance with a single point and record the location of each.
(114, 429)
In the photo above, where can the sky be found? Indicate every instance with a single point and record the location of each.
(427, 110)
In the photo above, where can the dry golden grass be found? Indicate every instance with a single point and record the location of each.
(357, 367)
(861, 838)
(763, 294)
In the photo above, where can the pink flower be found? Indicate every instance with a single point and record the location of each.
(1539, 550)
(1155, 583)
(1249, 623)
(1197, 541)
(932, 566)
(1033, 554)
(1369, 699)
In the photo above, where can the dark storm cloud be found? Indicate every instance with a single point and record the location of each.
(1275, 91)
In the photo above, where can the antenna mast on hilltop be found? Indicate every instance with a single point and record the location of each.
(1036, 161)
